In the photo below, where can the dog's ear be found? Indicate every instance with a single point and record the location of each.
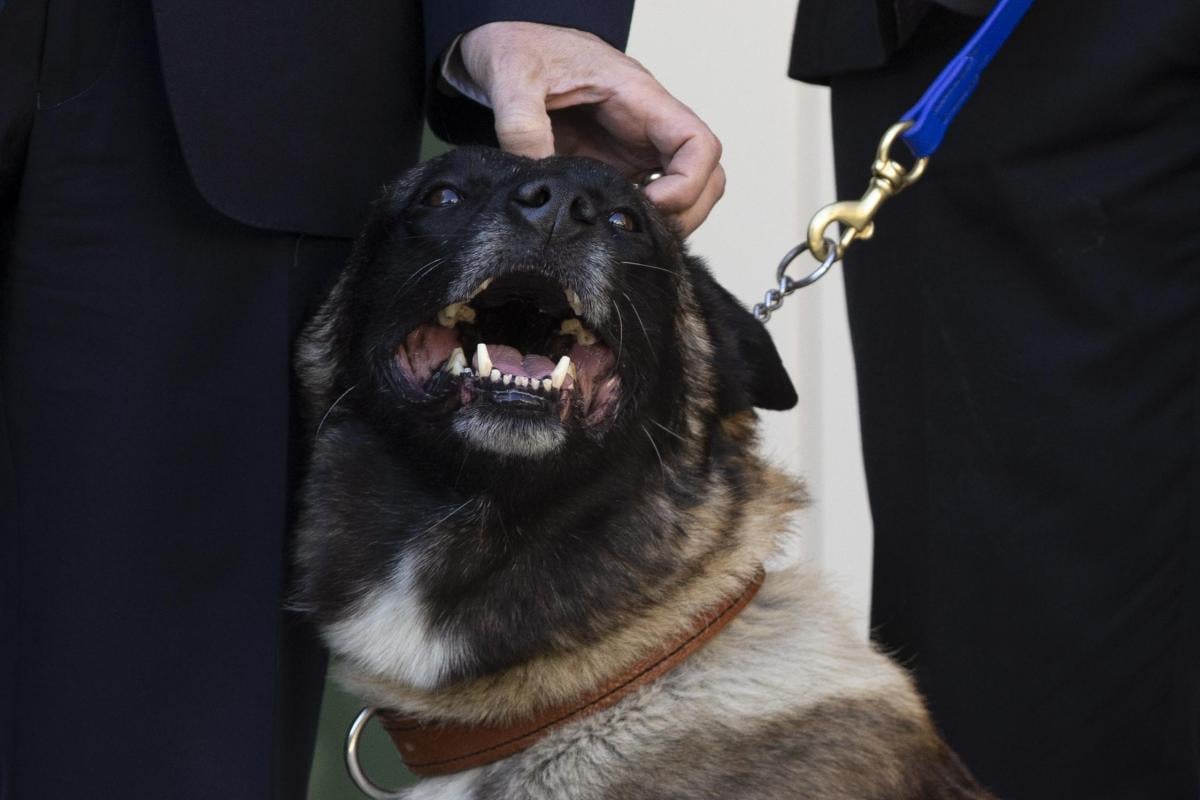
(747, 363)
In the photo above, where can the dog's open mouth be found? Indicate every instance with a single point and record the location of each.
(519, 342)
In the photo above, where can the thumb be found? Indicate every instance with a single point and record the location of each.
(522, 124)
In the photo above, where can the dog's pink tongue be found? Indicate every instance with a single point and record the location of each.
(514, 362)
(537, 366)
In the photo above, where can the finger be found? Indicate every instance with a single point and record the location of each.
(691, 218)
(693, 155)
(522, 124)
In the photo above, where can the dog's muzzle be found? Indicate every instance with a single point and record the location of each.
(519, 343)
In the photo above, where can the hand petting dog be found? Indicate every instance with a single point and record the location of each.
(565, 91)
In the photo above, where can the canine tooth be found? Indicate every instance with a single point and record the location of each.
(507, 378)
(458, 361)
(494, 375)
(574, 301)
(481, 288)
(575, 328)
(561, 370)
(465, 313)
(483, 362)
(448, 316)
(547, 384)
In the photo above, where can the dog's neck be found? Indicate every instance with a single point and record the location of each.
(446, 748)
(721, 543)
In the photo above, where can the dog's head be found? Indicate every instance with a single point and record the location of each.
(519, 371)
(520, 310)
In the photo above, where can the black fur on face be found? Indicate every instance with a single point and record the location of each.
(526, 508)
(567, 251)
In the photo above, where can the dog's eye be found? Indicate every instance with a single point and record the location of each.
(623, 220)
(442, 197)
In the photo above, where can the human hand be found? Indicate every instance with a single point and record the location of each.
(564, 90)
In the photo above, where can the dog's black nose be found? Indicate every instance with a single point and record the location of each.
(554, 206)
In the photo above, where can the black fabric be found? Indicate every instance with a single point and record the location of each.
(323, 98)
(145, 373)
(1026, 326)
(837, 36)
(834, 37)
(292, 114)
(21, 25)
(147, 447)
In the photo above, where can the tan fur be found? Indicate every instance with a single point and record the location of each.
(787, 701)
(788, 676)
(718, 572)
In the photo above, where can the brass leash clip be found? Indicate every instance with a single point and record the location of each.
(888, 178)
(857, 217)
(924, 126)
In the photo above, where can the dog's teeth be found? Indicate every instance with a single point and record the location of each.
(574, 327)
(454, 313)
(547, 384)
(448, 316)
(458, 361)
(574, 301)
(521, 381)
(561, 370)
(495, 375)
(483, 362)
(507, 379)
(482, 287)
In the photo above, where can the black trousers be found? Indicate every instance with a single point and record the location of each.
(1026, 325)
(145, 383)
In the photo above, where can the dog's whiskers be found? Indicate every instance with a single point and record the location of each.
(329, 411)
(659, 425)
(648, 266)
(654, 444)
(435, 236)
(645, 333)
(621, 329)
(446, 518)
(422, 272)
(461, 467)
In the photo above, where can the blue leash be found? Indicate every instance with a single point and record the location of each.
(922, 129)
(933, 113)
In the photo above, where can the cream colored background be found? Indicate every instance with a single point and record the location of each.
(728, 61)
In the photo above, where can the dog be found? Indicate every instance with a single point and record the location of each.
(534, 475)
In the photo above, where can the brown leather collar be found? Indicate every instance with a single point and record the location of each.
(443, 748)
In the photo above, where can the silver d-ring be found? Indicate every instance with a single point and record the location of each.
(812, 277)
(364, 784)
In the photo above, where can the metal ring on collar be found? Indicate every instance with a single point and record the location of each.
(364, 784)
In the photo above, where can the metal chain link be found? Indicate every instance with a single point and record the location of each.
(856, 217)
(773, 299)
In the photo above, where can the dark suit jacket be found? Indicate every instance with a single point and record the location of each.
(833, 37)
(292, 113)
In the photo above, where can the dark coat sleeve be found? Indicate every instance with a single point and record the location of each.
(458, 119)
(833, 37)
(838, 36)
(291, 115)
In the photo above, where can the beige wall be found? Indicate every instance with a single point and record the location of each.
(728, 62)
